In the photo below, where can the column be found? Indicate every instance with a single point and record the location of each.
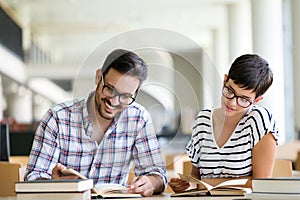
(20, 104)
(295, 4)
(267, 42)
(240, 29)
(288, 71)
(40, 107)
(212, 82)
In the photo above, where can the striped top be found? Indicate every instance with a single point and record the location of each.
(233, 159)
(64, 136)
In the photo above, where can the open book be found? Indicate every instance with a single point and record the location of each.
(226, 188)
(111, 190)
(104, 190)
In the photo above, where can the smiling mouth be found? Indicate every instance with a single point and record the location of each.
(229, 108)
(108, 106)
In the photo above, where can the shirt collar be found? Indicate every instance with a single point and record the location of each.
(86, 119)
(85, 114)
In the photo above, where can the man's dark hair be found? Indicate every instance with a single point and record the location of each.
(126, 62)
(251, 71)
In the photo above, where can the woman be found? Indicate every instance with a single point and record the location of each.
(237, 140)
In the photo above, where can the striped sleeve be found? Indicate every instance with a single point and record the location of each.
(201, 133)
(261, 122)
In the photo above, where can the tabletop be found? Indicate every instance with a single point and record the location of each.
(167, 196)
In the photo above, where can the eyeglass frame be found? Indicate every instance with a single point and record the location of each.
(115, 93)
(236, 96)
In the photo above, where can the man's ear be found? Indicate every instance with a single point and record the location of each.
(98, 76)
(138, 90)
(258, 99)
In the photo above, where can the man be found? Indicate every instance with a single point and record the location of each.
(101, 135)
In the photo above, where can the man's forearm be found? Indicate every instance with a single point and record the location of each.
(158, 183)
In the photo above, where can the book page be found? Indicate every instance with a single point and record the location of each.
(195, 180)
(111, 190)
(110, 187)
(232, 183)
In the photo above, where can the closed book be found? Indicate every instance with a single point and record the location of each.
(287, 185)
(273, 196)
(78, 185)
(86, 195)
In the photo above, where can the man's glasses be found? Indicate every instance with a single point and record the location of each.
(110, 92)
(241, 101)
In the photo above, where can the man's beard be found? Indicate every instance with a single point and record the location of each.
(102, 114)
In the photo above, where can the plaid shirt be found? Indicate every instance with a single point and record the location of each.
(64, 136)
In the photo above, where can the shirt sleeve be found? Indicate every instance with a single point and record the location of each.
(261, 122)
(45, 149)
(193, 147)
(146, 152)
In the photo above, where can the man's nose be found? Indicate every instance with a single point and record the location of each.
(115, 100)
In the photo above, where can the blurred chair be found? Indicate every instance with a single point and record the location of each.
(19, 159)
(297, 162)
(282, 168)
(9, 174)
(187, 167)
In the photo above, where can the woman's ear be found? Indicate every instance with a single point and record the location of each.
(225, 79)
(258, 99)
(98, 76)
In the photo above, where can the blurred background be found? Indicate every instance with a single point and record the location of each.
(50, 50)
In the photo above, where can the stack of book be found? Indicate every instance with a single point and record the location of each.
(81, 189)
(54, 189)
(275, 188)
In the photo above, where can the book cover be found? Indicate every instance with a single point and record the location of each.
(78, 185)
(86, 195)
(276, 185)
(275, 196)
(226, 188)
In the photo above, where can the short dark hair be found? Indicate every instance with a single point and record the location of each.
(250, 71)
(126, 62)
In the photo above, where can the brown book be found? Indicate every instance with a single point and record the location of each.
(226, 188)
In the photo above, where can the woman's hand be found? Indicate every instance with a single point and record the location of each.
(178, 185)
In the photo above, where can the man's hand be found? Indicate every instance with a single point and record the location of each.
(146, 185)
(56, 173)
